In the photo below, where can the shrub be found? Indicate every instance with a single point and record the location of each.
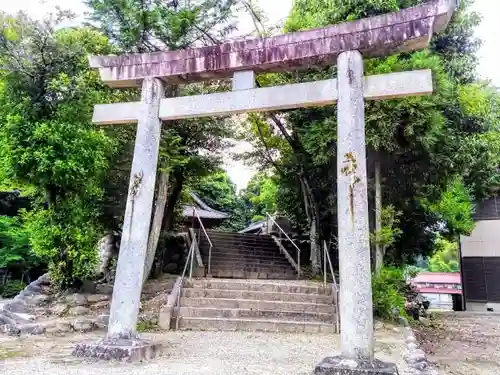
(388, 293)
(11, 288)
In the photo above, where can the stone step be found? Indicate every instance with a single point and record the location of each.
(255, 295)
(250, 267)
(215, 312)
(237, 247)
(249, 304)
(223, 324)
(260, 286)
(250, 260)
(234, 256)
(239, 274)
(237, 235)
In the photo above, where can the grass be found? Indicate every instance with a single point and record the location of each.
(147, 326)
(11, 353)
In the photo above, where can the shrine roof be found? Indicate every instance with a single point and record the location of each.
(407, 30)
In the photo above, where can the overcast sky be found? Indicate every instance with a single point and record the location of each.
(277, 10)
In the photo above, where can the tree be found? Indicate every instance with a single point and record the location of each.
(446, 257)
(219, 192)
(150, 26)
(48, 142)
(423, 144)
(260, 195)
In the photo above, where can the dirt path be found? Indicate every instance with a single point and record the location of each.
(193, 353)
(463, 343)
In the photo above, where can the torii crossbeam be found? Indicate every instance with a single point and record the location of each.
(344, 44)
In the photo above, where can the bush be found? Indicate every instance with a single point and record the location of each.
(388, 293)
(11, 288)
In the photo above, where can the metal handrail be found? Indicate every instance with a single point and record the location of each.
(189, 260)
(326, 257)
(195, 212)
(289, 239)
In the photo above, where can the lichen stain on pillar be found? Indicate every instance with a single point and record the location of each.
(350, 170)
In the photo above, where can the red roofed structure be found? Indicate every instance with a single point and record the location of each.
(438, 282)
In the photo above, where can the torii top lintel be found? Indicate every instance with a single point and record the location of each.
(407, 30)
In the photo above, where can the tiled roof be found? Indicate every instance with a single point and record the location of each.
(204, 214)
(254, 226)
(204, 210)
(438, 277)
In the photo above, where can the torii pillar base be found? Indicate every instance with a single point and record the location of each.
(345, 366)
(119, 350)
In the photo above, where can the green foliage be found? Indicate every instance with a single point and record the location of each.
(140, 26)
(390, 230)
(15, 251)
(48, 142)
(261, 196)
(11, 288)
(388, 293)
(437, 152)
(219, 192)
(454, 208)
(446, 257)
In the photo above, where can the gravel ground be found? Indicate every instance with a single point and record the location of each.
(463, 343)
(186, 352)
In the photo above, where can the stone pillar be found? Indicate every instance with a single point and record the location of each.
(137, 221)
(122, 341)
(352, 204)
(356, 311)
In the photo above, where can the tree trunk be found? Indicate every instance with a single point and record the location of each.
(315, 250)
(311, 213)
(379, 249)
(173, 199)
(154, 234)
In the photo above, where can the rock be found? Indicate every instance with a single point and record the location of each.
(44, 279)
(11, 330)
(425, 321)
(104, 318)
(420, 365)
(82, 325)
(89, 287)
(403, 321)
(33, 329)
(411, 339)
(378, 325)
(18, 306)
(395, 329)
(38, 300)
(101, 305)
(63, 327)
(104, 289)
(78, 310)
(34, 287)
(169, 268)
(76, 299)
(94, 298)
(416, 357)
(59, 309)
(412, 346)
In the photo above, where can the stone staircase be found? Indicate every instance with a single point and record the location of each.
(255, 305)
(245, 256)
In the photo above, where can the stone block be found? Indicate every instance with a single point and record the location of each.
(76, 299)
(94, 298)
(119, 350)
(104, 289)
(38, 300)
(339, 365)
(89, 286)
(79, 310)
(82, 325)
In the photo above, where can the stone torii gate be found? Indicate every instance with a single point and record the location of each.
(344, 44)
